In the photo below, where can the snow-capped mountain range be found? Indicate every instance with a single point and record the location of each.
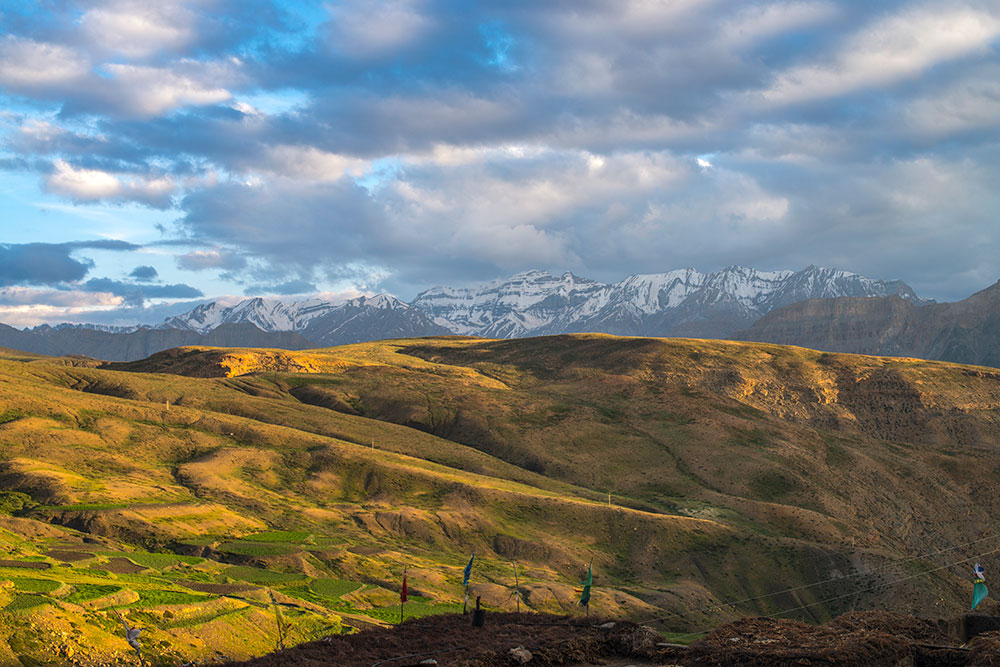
(265, 314)
(677, 303)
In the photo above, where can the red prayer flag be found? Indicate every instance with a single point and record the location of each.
(402, 593)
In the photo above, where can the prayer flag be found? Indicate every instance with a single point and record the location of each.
(585, 595)
(468, 571)
(979, 591)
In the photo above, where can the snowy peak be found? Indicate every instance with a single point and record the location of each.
(265, 314)
(322, 322)
(378, 302)
(509, 308)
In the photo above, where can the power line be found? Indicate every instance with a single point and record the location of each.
(819, 583)
(871, 588)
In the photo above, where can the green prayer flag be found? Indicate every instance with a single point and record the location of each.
(979, 593)
(585, 595)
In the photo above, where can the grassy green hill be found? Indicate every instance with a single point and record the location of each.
(181, 491)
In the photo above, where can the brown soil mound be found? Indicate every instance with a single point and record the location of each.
(984, 650)
(120, 565)
(452, 640)
(853, 640)
(765, 642)
(67, 556)
(892, 623)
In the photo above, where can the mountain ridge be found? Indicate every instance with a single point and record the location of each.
(966, 331)
(682, 302)
(530, 303)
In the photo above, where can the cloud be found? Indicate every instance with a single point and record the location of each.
(561, 209)
(150, 91)
(401, 142)
(144, 273)
(200, 260)
(25, 307)
(278, 219)
(139, 29)
(26, 296)
(28, 66)
(966, 105)
(93, 185)
(888, 50)
(49, 263)
(135, 294)
(370, 29)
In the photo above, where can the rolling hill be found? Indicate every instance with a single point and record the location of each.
(692, 473)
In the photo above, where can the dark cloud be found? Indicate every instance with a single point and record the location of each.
(303, 227)
(49, 263)
(136, 295)
(144, 273)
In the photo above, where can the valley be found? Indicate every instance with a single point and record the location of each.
(183, 490)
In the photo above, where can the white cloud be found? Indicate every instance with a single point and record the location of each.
(200, 260)
(91, 185)
(82, 184)
(24, 306)
(138, 29)
(152, 91)
(887, 51)
(27, 296)
(27, 65)
(971, 103)
(797, 143)
(371, 28)
(309, 163)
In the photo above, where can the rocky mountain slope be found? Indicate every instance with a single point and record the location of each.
(965, 331)
(266, 314)
(369, 318)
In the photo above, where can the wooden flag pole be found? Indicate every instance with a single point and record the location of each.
(402, 597)
(590, 573)
(517, 587)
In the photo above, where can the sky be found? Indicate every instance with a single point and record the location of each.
(155, 155)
